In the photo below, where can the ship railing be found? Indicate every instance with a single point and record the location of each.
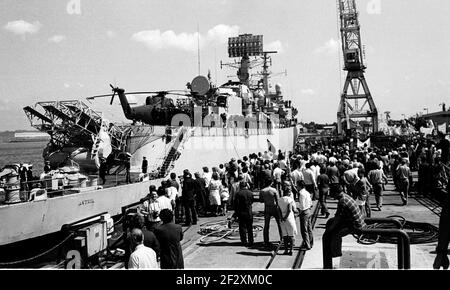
(30, 190)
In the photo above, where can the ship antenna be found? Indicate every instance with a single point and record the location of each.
(198, 47)
(215, 63)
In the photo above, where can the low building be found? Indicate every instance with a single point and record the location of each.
(30, 137)
(440, 119)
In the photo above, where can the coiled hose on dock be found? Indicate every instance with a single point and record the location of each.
(419, 233)
(218, 230)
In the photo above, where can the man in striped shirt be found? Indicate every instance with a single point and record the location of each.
(347, 219)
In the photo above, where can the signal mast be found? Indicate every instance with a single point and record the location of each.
(244, 46)
(349, 106)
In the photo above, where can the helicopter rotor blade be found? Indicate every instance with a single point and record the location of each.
(164, 93)
(99, 96)
(112, 98)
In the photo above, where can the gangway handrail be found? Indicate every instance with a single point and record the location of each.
(403, 242)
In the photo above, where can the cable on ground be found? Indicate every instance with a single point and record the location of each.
(418, 232)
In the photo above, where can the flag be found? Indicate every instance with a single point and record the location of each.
(271, 147)
(443, 128)
(361, 144)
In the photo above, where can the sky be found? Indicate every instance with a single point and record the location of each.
(72, 49)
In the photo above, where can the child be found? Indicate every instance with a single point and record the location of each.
(224, 197)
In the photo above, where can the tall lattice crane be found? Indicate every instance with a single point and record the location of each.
(350, 105)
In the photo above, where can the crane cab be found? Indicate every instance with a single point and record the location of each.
(352, 59)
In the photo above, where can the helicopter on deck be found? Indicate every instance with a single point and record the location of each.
(161, 106)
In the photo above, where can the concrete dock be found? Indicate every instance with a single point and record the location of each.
(228, 253)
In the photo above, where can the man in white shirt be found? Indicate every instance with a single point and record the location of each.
(207, 176)
(277, 173)
(282, 164)
(164, 201)
(296, 176)
(305, 205)
(310, 179)
(142, 256)
(267, 156)
(172, 193)
(316, 169)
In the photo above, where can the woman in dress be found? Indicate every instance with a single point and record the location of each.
(215, 187)
(287, 208)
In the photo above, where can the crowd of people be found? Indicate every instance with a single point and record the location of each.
(288, 183)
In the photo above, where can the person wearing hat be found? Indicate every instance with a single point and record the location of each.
(243, 201)
(30, 174)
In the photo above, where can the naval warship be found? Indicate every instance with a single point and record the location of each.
(204, 125)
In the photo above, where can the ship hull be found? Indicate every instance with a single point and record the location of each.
(28, 220)
(31, 221)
